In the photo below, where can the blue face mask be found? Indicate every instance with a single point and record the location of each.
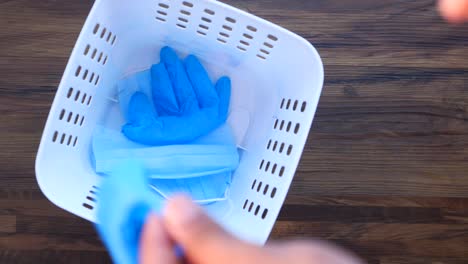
(212, 154)
(185, 105)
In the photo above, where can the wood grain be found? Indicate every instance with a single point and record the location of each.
(385, 169)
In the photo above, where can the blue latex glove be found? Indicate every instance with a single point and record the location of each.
(125, 200)
(186, 104)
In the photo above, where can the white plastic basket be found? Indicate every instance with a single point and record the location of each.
(277, 78)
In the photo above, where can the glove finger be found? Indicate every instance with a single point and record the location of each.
(181, 85)
(140, 110)
(223, 88)
(201, 83)
(163, 94)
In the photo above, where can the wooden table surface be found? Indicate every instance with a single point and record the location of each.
(385, 170)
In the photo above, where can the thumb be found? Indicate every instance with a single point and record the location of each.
(202, 239)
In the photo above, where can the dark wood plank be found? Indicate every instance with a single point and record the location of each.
(369, 33)
(46, 241)
(53, 256)
(457, 204)
(420, 260)
(425, 240)
(384, 170)
(375, 231)
(8, 224)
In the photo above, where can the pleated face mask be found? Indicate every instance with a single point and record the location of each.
(215, 153)
(202, 169)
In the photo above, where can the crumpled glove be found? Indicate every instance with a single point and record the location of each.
(186, 103)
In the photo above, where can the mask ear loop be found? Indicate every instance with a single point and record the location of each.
(158, 191)
(229, 202)
(114, 100)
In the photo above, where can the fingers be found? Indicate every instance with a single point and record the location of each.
(155, 245)
(223, 87)
(202, 239)
(163, 94)
(181, 85)
(141, 115)
(455, 11)
(201, 83)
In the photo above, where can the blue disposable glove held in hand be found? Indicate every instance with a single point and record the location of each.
(125, 200)
(202, 107)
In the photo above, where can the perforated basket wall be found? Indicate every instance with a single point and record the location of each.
(277, 80)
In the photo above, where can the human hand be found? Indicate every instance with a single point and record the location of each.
(204, 242)
(455, 11)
